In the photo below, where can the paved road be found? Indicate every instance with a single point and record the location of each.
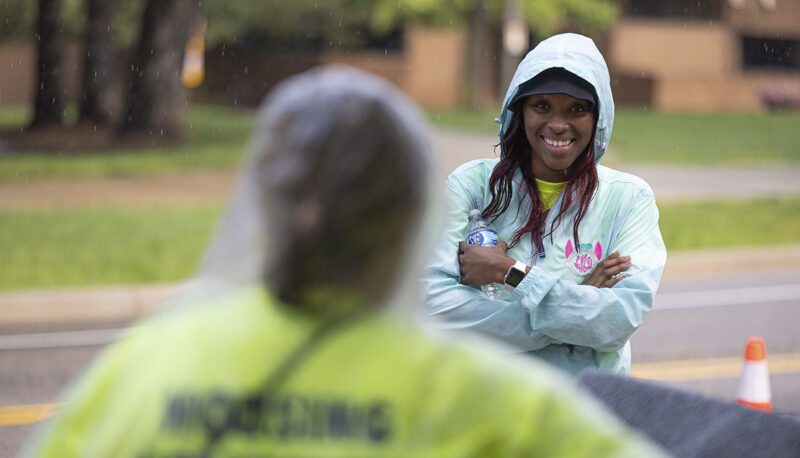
(695, 337)
(694, 340)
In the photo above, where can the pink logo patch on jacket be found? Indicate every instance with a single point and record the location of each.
(582, 260)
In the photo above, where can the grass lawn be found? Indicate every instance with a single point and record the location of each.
(730, 223)
(218, 137)
(743, 139)
(41, 249)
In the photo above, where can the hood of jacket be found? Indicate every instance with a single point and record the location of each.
(579, 55)
(318, 131)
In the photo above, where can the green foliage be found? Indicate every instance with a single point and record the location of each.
(387, 14)
(545, 17)
(730, 223)
(101, 246)
(346, 23)
(231, 20)
(19, 19)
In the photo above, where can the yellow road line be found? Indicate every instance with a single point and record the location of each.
(701, 369)
(671, 371)
(27, 414)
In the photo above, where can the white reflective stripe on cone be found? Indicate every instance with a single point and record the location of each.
(754, 383)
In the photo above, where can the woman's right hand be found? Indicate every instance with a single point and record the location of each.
(482, 265)
(608, 272)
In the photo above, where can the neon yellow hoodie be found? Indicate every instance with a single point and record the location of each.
(374, 386)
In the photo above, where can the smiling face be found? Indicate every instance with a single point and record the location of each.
(558, 128)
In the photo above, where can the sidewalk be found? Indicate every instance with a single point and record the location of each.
(114, 304)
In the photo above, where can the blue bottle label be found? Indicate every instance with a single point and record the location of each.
(482, 237)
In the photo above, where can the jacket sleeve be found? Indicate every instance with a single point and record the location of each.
(602, 318)
(457, 306)
(105, 415)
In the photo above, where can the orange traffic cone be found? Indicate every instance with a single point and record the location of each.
(754, 389)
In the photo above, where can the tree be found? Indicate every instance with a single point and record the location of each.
(156, 98)
(99, 96)
(477, 47)
(49, 103)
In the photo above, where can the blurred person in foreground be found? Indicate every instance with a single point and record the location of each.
(296, 337)
(580, 254)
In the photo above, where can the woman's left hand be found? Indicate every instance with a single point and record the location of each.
(482, 265)
(609, 271)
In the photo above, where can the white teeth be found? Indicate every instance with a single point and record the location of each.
(557, 143)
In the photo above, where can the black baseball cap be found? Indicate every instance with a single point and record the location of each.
(557, 81)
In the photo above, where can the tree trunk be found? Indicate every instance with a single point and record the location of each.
(49, 103)
(98, 102)
(476, 51)
(156, 97)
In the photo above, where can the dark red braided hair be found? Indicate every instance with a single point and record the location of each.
(517, 155)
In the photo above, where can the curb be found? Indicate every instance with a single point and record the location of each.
(81, 305)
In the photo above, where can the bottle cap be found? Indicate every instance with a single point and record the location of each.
(475, 214)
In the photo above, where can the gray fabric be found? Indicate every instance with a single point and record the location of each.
(690, 425)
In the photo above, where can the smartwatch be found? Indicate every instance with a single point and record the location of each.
(514, 275)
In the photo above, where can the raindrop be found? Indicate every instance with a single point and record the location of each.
(162, 132)
(246, 69)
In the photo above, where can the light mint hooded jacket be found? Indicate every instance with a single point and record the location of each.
(550, 306)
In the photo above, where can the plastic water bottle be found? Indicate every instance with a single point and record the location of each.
(479, 233)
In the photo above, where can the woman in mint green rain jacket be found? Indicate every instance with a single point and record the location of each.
(584, 252)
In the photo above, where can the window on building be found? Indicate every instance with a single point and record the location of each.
(673, 9)
(770, 54)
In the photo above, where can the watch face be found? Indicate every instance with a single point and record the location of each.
(514, 276)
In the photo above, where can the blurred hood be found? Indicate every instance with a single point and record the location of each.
(318, 124)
